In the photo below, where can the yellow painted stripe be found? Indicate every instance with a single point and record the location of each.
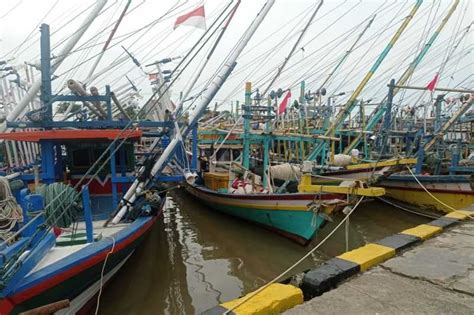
(241, 204)
(423, 231)
(369, 192)
(275, 299)
(368, 255)
(382, 163)
(421, 199)
(460, 214)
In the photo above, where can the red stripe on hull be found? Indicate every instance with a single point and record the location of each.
(52, 281)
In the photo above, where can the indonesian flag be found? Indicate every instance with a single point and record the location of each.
(284, 103)
(431, 86)
(196, 18)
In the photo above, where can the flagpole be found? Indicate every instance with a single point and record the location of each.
(204, 64)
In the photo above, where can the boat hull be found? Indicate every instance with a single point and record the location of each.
(456, 191)
(74, 275)
(286, 214)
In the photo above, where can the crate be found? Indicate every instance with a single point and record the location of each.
(216, 181)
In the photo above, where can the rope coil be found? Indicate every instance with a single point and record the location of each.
(10, 211)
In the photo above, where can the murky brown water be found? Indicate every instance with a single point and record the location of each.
(195, 258)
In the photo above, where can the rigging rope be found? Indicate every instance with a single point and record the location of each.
(10, 211)
(130, 125)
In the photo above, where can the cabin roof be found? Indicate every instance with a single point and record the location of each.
(71, 134)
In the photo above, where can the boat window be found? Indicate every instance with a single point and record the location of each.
(81, 158)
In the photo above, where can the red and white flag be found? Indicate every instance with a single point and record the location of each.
(152, 76)
(431, 86)
(284, 103)
(196, 18)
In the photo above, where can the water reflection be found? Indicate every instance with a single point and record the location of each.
(195, 258)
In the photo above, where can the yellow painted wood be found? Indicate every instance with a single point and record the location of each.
(423, 231)
(393, 162)
(460, 214)
(368, 255)
(306, 186)
(423, 200)
(275, 299)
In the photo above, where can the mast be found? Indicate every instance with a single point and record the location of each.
(280, 69)
(440, 133)
(347, 53)
(380, 109)
(36, 86)
(346, 110)
(106, 45)
(207, 97)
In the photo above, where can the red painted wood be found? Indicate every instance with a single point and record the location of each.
(71, 134)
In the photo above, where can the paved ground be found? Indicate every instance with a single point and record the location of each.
(432, 278)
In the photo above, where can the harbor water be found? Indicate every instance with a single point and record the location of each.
(195, 258)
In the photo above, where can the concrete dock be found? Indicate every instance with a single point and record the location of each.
(425, 269)
(436, 276)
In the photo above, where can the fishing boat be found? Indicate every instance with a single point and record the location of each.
(456, 191)
(368, 171)
(58, 242)
(298, 216)
(54, 258)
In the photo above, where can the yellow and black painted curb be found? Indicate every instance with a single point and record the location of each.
(331, 273)
(279, 297)
(274, 299)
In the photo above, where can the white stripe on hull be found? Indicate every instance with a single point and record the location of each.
(78, 302)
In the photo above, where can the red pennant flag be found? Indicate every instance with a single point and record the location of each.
(196, 18)
(284, 103)
(431, 86)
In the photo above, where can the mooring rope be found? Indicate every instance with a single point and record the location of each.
(427, 215)
(102, 274)
(296, 263)
(429, 193)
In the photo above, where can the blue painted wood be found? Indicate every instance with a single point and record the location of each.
(174, 178)
(86, 204)
(113, 174)
(32, 259)
(47, 162)
(7, 253)
(83, 254)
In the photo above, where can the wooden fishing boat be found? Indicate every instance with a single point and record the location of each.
(74, 272)
(296, 215)
(290, 215)
(457, 191)
(47, 262)
(369, 171)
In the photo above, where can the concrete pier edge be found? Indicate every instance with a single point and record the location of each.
(330, 274)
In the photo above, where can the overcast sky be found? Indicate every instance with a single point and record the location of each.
(334, 30)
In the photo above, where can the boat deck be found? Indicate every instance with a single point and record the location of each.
(59, 252)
